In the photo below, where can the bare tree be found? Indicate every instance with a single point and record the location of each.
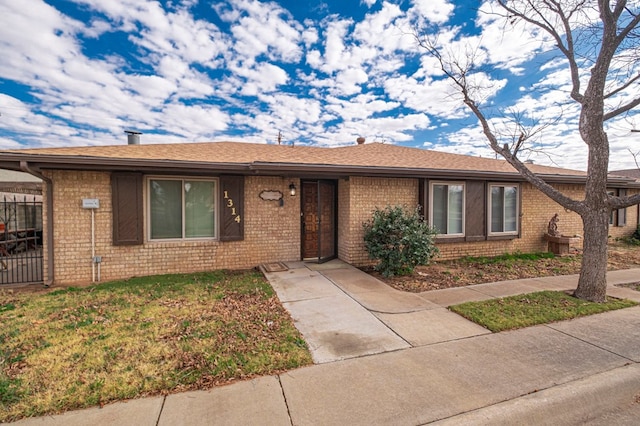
(600, 41)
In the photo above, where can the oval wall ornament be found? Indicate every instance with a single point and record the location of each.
(271, 195)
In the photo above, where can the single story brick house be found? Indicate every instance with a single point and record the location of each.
(149, 209)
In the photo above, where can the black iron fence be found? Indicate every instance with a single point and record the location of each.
(20, 240)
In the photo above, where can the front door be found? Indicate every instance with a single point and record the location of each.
(318, 220)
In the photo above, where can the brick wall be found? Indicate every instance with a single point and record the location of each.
(358, 198)
(272, 233)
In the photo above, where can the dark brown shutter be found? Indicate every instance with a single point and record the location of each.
(475, 211)
(231, 208)
(423, 198)
(622, 213)
(126, 199)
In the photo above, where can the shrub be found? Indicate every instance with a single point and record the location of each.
(399, 239)
(633, 239)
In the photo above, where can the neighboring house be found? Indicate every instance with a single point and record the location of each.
(630, 173)
(20, 201)
(153, 209)
(20, 228)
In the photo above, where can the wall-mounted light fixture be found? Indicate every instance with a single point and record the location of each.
(292, 189)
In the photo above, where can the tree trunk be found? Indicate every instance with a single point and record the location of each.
(592, 284)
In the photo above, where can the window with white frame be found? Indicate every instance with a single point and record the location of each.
(447, 208)
(181, 208)
(503, 209)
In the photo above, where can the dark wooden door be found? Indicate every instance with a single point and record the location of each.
(318, 220)
(309, 220)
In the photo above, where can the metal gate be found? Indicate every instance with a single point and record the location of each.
(20, 240)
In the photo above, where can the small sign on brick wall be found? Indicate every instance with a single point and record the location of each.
(271, 195)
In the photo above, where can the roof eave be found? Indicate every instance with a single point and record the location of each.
(44, 162)
(316, 169)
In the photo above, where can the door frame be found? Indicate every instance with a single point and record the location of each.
(334, 231)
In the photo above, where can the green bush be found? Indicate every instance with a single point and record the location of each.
(633, 239)
(399, 239)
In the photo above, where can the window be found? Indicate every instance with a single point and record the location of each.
(503, 209)
(181, 208)
(617, 217)
(447, 207)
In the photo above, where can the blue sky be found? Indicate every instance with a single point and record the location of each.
(81, 72)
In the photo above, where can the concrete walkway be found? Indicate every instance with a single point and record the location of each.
(388, 357)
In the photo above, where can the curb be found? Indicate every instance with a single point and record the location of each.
(567, 404)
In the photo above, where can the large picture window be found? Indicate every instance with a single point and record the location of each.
(181, 208)
(447, 208)
(503, 209)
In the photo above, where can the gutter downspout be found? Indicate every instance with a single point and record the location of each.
(24, 166)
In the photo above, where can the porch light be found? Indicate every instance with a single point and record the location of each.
(292, 189)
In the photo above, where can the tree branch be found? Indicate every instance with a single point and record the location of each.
(622, 202)
(511, 158)
(621, 110)
(543, 23)
(621, 88)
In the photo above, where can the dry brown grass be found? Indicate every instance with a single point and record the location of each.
(75, 348)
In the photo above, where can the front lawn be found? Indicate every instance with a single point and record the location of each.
(74, 348)
(531, 309)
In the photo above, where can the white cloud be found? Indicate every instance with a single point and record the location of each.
(509, 43)
(336, 56)
(263, 29)
(264, 77)
(348, 81)
(434, 11)
(359, 107)
(309, 34)
(181, 77)
(434, 97)
(378, 30)
(193, 121)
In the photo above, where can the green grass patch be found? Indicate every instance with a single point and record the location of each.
(77, 347)
(534, 308)
(508, 258)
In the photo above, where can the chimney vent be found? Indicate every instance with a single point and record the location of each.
(133, 137)
(360, 140)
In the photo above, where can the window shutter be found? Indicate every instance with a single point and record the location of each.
(622, 213)
(126, 202)
(231, 211)
(476, 211)
(423, 198)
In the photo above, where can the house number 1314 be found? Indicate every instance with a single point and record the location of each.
(229, 204)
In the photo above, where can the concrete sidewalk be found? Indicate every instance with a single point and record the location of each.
(403, 359)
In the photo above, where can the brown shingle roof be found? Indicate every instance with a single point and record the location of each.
(368, 156)
(631, 173)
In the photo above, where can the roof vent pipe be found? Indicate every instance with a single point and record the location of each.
(360, 140)
(133, 137)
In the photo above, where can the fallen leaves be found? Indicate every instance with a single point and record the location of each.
(141, 337)
(463, 272)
